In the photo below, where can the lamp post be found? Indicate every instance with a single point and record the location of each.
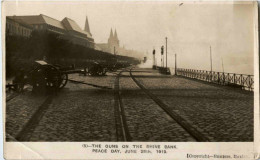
(210, 64)
(222, 65)
(154, 66)
(162, 56)
(210, 60)
(166, 53)
(175, 64)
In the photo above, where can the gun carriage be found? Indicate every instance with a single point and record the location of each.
(46, 76)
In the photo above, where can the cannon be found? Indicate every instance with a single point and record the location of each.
(48, 77)
(97, 69)
(44, 77)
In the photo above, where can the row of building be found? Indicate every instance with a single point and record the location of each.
(67, 29)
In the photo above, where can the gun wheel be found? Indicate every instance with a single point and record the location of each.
(64, 80)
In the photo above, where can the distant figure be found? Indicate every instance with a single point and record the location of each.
(180, 4)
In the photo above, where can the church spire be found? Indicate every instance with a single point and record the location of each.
(87, 25)
(115, 35)
(111, 34)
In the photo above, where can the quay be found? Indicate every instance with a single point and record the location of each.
(138, 104)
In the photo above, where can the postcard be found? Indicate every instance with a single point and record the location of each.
(130, 80)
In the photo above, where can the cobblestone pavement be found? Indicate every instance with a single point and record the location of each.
(146, 121)
(80, 113)
(85, 113)
(221, 113)
(18, 112)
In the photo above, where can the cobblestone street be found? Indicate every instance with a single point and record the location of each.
(220, 113)
(82, 112)
(146, 121)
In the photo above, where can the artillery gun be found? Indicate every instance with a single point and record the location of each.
(47, 77)
(97, 69)
(42, 77)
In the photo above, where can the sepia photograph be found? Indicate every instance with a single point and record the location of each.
(122, 71)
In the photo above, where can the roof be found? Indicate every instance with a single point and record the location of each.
(66, 23)
(87, 26)
(115, 35)
(20, 22)
(38, 19)
(52, 21)
(71, 25)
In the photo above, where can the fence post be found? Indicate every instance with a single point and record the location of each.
(224, 79)
(235, 78)
(228, 78)
(218, 78)
(241, 79)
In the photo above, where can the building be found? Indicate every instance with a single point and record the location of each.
(66, 29)
(18, 28)
(112, 46)
(113, 41)
(76, 35)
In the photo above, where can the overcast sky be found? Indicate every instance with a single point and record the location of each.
(191, 28)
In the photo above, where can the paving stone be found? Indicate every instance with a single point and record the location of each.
(221, 112)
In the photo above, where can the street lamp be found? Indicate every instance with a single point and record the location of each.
(154, 65)
(162, 56)
(166, 53)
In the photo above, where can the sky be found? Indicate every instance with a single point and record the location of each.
(191, 28)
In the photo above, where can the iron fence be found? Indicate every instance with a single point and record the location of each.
(242, 81)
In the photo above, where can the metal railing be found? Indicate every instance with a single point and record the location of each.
(242, 81)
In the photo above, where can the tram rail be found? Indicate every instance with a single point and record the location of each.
(197, 135)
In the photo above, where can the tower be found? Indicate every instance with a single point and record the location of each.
(113, 42)
(110, 39)
(116, 40)
(87, 29)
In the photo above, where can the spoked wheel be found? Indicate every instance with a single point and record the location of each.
(39, 82)
(64, 77)
(53, 78)
(46, 78)
(64, 80)
(93, 71)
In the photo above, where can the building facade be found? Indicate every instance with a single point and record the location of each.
(18, 28)
(67, 28)
(112, 46)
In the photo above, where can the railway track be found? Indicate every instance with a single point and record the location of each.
(198, 136)
(122, 131)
